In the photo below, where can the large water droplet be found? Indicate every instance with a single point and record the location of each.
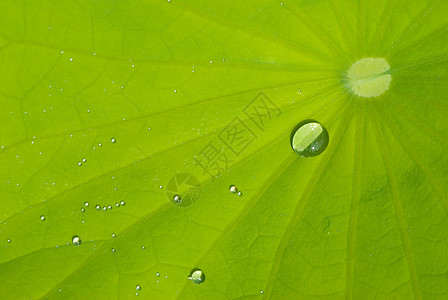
(309, 138)
(76, 240)
(197, 276)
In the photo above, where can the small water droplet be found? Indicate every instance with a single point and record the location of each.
(83, 210)
(8, 240)
(79, 163)
(99, 144)
(114, 235)
(42, 218)
(117, 204)
(197, 276)
(113, 249)
(138, 288)
(109, 207)
(309, 138)
(76, 240)
(86, 204)
(71, 58)
(177, 199)
(122, 203)
(112, 140)
(157, 274)
(233, 189)
(240, 193)
(98, 207)
(84, 160)
(160, 187)
(261, 292)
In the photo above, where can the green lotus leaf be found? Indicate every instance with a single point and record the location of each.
(145, 149)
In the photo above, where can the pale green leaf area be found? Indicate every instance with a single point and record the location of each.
(106, 101)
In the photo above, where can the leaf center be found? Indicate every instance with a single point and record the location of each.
(369, 77)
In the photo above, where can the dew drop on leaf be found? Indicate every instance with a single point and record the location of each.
(86, 204)
(138, 287)
(177, 199)
(309, 138)
(76, 240)
(197, 276)
(113, 141)
(233, 189)
(122, 203)
(98, 207)
(42, 218)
